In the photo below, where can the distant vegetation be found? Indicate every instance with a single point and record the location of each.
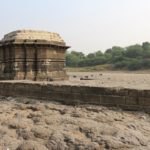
(133, 57)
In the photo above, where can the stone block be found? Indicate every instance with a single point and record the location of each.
(88, 90)
(132, 107)
(78, 89)
(59, 88)
(21, 89)
(91, 99)
(68, 98)
(131, 100)
(114, 100)
(144, 101)
(116, 91)
(144, 93)
(133, 92)
(55, 96)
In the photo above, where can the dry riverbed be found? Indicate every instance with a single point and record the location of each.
(134, 80)
(27, 124)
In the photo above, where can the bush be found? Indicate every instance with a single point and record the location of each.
(135, 64)
(134, 51)
(146, 63)
(92, 61)
(121, 64)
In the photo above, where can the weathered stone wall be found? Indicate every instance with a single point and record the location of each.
(129, 99)
(32, 62)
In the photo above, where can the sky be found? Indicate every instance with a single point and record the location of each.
(85, 25)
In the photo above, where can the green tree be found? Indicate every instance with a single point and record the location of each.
(108, 51)
(108, 57)
(146, 49)
(78, 54)
(135, 64)
(133, 57)
(134, 51)
(146, 63)
(91, 55)
(99, 54)
(73, 58)
(117, 53)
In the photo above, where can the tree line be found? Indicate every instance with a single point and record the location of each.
(133, 57)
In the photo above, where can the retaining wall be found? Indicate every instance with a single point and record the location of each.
(130, 99)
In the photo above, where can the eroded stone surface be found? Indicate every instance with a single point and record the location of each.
(54, 126)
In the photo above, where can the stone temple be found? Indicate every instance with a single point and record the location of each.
(32, 55)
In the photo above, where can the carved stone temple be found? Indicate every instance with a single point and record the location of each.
(32, 55)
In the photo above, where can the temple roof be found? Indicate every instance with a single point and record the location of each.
(32, 35)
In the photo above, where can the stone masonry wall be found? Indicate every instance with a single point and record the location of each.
(129, 99)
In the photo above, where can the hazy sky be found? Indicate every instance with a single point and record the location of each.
(86, 25)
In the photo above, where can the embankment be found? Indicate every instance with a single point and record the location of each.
(129, 99)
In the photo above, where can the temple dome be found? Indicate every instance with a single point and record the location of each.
(33, 35)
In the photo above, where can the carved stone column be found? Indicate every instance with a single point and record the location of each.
(35, 66)
(24, 60)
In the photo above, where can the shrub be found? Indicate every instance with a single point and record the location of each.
(135, 64)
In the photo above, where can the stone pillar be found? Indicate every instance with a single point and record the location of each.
(35, 66)
(24, 61)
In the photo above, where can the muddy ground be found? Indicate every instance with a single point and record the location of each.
(27, 124)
